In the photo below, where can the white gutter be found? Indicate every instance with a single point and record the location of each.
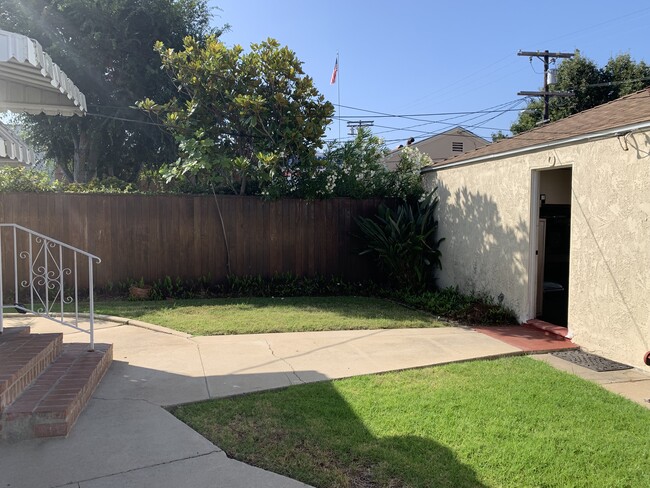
(31, 82)
(547, 145)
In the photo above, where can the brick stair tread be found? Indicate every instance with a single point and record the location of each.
(53, 402)
(22, 359)
(23, 330)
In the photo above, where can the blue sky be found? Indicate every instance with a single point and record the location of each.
(428, 57)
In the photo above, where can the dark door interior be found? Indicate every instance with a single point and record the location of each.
(556, 263)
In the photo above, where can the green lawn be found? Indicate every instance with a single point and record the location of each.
(513, 422)
(258, 315)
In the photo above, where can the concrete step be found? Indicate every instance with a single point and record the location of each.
(52, 404)
(23, 357)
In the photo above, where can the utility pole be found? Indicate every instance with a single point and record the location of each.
(355, 125)
(545, 57)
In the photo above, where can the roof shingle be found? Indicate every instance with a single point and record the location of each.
(625, 111)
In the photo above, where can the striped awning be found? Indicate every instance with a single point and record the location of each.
(13, 150)
(30, 82)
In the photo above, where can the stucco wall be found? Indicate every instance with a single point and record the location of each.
(484, 215)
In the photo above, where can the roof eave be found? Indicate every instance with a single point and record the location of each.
(31, 82)
(13, 150)
(540, 147)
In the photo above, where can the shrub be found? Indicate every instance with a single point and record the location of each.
(450, 303)
(403, 241)
(23, 179)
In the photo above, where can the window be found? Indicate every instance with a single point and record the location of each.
(457, 146)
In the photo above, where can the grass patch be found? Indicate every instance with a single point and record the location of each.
(513, 422)
(261, 315)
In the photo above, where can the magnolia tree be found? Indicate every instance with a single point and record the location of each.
(247, 120)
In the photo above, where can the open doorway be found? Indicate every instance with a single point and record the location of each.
(553, 246)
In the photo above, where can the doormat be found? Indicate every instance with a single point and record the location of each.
(590, 361)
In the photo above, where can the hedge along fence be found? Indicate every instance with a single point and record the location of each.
(150, 237)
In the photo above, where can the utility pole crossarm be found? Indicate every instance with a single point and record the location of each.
(541, 54)
(550, 93)
(545, 57)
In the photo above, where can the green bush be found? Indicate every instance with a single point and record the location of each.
(450, 303)
(403, 241)
(23, 179)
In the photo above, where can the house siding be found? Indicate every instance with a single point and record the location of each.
(485, 217)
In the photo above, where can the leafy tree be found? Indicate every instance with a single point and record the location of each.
(250, 118)
(592, 86)
(584, 78)
(529, 117)
(106, 48)
(625, 75)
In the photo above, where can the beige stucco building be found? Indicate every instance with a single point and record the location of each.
(555, 222)
(441, 146)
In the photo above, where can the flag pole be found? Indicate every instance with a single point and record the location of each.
(338, 86)
(335, 79)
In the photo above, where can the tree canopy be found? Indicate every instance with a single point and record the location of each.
(249, 120)
(591, 85)
(106, 48)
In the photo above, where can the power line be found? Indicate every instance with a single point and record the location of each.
(436, 114)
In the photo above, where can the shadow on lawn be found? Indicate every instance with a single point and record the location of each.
(311, 433)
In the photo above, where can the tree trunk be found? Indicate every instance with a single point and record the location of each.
(85, 157)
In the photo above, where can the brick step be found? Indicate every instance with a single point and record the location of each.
(23, 330)
(550, 328)
(51, 406)
(23, 358)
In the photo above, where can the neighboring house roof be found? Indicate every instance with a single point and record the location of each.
(30, 82)
(625, 114)
(435, 148)
(13, 150)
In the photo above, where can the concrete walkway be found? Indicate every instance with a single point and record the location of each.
(125, 439)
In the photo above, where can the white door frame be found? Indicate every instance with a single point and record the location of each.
(533, 243)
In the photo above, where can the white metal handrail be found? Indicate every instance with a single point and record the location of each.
(43, 278)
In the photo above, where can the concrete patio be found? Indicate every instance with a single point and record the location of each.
(125, 438)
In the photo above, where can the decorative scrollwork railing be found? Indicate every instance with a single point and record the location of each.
(48, 276)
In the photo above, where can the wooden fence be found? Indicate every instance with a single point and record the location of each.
(151, 237)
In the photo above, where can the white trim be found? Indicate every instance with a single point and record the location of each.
(547, 145)
(533, 242)
(29, 77)
(13, 149)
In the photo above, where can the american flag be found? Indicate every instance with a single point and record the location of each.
(335, 72)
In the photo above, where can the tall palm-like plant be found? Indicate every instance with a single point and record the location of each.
(404, 242)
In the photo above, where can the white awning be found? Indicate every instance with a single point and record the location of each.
(30, 82)
(13, 150)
